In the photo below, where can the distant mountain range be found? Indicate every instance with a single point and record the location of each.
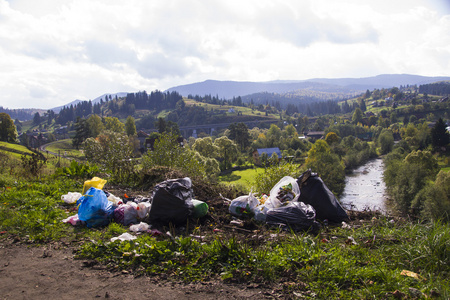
(326, 88)
(230, 89)
(96, 100)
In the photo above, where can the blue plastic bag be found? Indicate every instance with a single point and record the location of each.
(95, 209)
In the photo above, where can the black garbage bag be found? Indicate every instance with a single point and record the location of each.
(313, 191)
(296, 215)
(172, 201)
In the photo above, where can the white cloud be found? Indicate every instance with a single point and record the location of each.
(55, 51)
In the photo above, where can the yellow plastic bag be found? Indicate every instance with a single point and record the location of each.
(95, 182)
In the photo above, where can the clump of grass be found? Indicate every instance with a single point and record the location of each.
(329, 265)
(34, 208)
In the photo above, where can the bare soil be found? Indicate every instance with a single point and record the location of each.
(51, 272)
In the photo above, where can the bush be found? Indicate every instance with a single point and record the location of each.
(386, 141)
(265, 181)
(168, 152)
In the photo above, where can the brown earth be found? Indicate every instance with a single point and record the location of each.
(51, 272)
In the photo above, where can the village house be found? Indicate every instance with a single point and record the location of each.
(269, 151)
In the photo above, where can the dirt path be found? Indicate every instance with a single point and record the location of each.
(29, 272)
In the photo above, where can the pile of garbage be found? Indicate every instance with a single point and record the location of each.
(171, 201)
(293, 203)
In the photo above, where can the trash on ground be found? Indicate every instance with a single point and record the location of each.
(141, 227)
(95, 182)
(71, 197)
(126, 214)
(115, 200)
(95, 209)
(74, 220)
(124, 237)
(172, 201)
(285, 191)
(243, 205)
(200, 209)
(411, 274)
(313, 191)
(237, 223)
(297, 215)
(351, 241)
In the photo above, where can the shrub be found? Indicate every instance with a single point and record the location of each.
(265, 181)
(168, 152)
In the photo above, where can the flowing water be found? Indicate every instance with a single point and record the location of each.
(365, 188)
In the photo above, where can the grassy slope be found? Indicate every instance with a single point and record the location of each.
(246, 111)
(65, 148)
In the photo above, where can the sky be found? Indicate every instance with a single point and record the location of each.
(55, 51)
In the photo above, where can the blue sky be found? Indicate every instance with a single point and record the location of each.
(55, 51)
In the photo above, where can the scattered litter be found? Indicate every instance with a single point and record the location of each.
(237, 223)
(95, 209)
(74, 220)
(200, 209)
(297, 215)
(172, 201)
(316, 193)
(71, 197)
(124, 237)
(411, 274)
(95, 182)
(126, 214)
(115, 200)
(345, 226)
(141, 227)
(243, 205)
(351, 241)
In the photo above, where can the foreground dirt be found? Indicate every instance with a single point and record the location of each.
(30, 272)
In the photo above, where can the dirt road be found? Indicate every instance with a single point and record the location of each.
(51, 272)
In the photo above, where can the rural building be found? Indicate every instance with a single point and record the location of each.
(269, 151)
(315, 135)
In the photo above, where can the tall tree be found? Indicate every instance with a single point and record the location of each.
(228, 151)
(113, 124)
(239, 133)
(8, 131)
(81, 132)
(440, 137)
(95, 125)
(357, 116)
(130, 126)
(205, 147)
(36, 119)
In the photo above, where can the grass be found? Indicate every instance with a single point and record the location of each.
(244, 110)
(241, 177)
(65, 148)
(330, 265)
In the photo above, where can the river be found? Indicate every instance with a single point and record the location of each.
(365, 188)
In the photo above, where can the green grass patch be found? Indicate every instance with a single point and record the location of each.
(65, 148)
(369, 264)
(34, 208)
(241, 177)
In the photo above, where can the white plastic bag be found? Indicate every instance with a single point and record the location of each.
(71, 198)
(126, 213)
(115, 200)
(124, 237)
(243, 205)
(285, 191)
(143, 209)
(140, 227)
